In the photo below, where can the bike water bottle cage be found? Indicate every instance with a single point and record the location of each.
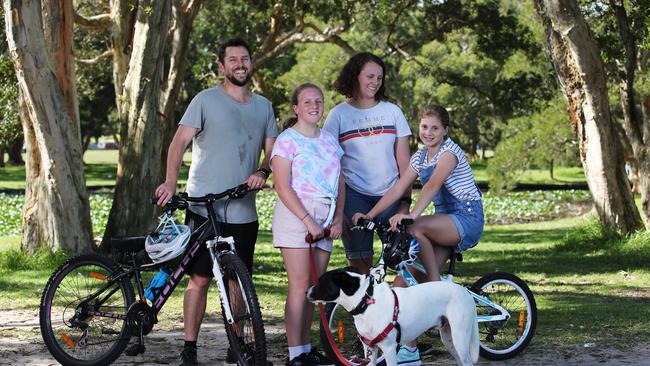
(168, 241)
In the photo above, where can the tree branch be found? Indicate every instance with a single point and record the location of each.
(391, 31)
(101, 21)
(271, 39)
(91, 61)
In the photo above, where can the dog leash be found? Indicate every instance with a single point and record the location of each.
(321, 309)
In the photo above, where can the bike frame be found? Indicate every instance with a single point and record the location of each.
(480, 300)
(198, 237)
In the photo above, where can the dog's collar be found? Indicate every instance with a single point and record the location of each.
(365, 301)
(388, 329)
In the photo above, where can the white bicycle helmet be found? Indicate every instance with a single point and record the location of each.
(168, 241)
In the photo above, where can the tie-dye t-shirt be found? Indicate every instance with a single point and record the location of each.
(315, 162)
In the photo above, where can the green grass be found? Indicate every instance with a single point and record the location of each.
(535, 175)
(590, 284)
(100, 170)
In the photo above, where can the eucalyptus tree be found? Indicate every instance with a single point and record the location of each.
(622, 32)
(56, 211)
(580, 70)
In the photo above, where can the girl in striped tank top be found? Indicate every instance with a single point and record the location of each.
(448, 182)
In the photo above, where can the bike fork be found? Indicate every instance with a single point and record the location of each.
(218, 274)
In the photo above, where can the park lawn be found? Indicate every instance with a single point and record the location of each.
(588, 288)
(535, 175)
(100, 170)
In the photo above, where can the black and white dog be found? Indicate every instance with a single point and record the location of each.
(385, 317)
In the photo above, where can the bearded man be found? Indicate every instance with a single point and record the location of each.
(228, 126)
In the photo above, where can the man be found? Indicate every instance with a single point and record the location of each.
(228, 126)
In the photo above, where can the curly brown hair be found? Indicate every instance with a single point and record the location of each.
(346, 83)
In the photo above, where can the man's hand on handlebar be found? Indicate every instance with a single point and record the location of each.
(164, 192)
(256, 181)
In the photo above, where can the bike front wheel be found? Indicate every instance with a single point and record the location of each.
(504, 339)
(246, 333)
(83, 314)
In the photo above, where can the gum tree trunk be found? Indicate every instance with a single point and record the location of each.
(636, 125)
(139, 167)
(582, 77)
(56, 201)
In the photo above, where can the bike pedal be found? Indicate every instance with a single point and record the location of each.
(135, 349)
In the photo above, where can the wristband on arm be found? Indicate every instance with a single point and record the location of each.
(264, 171)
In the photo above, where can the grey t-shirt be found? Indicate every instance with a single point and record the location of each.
(226, 149)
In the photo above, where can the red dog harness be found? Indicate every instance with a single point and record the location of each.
(389, 327)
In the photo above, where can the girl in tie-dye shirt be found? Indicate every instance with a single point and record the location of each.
(306, 163)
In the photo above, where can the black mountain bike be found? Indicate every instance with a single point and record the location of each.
(90, 310)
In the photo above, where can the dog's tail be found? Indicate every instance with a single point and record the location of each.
(474, 345)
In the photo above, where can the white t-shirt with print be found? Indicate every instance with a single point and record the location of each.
(368, 138)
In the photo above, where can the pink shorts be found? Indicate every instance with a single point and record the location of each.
(290, 232)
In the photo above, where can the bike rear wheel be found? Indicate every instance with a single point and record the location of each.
(246, 333)
(501, 340)
(71, 333)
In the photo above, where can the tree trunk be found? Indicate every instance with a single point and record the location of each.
(580, 71)
(644, 172)
(633, 122)
(123, 15)
(183, 16)
(56, 202)
(15, 151)
(550, 168)
(139, 166)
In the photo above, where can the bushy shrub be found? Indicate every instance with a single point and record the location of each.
(42, 259)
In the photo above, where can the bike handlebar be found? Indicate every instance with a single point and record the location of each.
(181, 202)
(370, 225)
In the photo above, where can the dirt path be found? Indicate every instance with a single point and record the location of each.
(21, 344)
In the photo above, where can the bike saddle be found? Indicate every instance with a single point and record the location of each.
(128, 243)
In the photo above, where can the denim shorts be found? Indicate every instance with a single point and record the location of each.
(358, 243)
(469, 220)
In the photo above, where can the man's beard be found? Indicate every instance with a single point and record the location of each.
(231, 77)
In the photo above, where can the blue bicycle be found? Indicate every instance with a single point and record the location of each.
(505, 306)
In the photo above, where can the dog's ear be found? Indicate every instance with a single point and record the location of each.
(349, 284)
(352, 269)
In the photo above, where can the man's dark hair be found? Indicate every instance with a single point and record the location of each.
(236, 42)
(347, 83)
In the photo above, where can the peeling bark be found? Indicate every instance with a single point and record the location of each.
(635, 126)
(582, 77)
(56, 201)
(140, 146)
